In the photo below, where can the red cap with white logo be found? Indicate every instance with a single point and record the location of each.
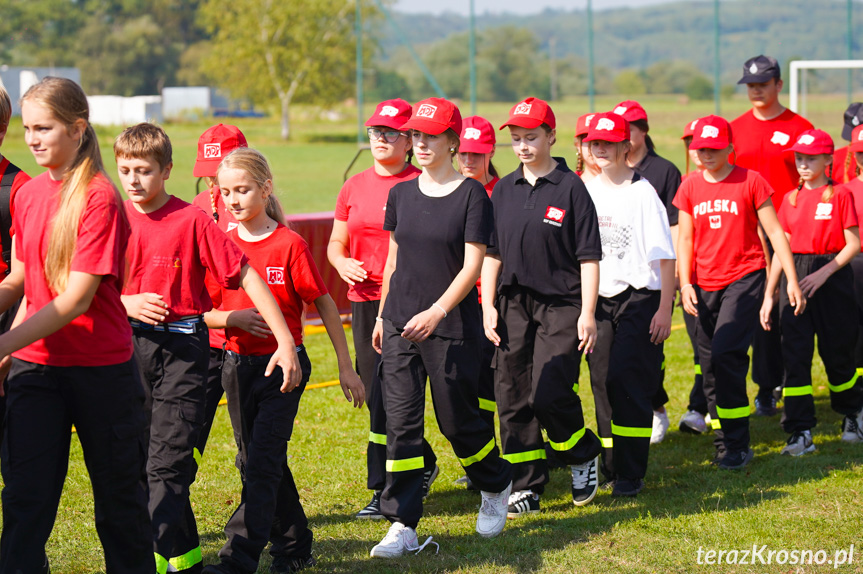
(813, 142)
(531, 113)
(630, 110)
(689, 129)
(477, 135)
(857, 139)
(582, 125)
(608, 127)
(214, 144)
(434, 116)
(391, 114)
(711, 132)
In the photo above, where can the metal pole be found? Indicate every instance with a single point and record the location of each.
(590, 78)
(472, 60)
(850, 54)
(552, 46)
(358, 30)
(716, 74)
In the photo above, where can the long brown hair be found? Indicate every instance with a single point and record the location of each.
(68, 104)
(255, 164)
(825, 195)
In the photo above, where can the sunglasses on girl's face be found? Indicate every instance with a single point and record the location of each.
(390, 136)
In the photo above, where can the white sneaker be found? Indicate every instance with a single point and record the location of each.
(400, 539)
(660, 427)
(692, 422)
(799, 443)
(852, 427)
(492, 513)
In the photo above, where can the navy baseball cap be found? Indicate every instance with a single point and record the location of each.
(759, 69)
(853, 118)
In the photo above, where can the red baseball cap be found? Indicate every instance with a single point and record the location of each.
(477, 135)
(689, 129)
(531, 113)
(813, 142)
(857, 139)
(608, 127)
(214, 144)
(391, 114)
(582, 125)
(711, 132)
(630, 110)
(434, 116)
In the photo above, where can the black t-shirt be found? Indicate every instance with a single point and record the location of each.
(431, 233)
(665, 179)
(542, 232)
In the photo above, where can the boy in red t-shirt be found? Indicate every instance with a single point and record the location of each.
(173, 244)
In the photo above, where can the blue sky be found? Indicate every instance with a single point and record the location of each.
(513, 6)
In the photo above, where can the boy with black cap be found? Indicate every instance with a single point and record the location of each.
(844, 166)
(762, 136)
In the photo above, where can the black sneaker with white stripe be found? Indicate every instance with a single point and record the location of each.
(522, 503)
(852, 427)
(429, 477)
(372, 511)
(584, 482)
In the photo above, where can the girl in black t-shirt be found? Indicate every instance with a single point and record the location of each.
(440, 224)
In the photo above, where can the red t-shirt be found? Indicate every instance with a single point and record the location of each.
(489, 187)
(725, 217)
(20, 179)
(284, 261)
(760, 145)
(817, 227)
(362, 204)
(855, 188)
(169, 252)
(839, 158)
(101, 335)
(226, 223)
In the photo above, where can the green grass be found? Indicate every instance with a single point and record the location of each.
(808, 503)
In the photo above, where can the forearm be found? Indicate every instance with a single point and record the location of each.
(666, 273)
(11, 289)
(333, 323)
(589, 285)
(489, 275)
(774, 276)
(216, 319)
(266, 305)
(337, 252)
(385, 287)
(782, 251)
(675, 234)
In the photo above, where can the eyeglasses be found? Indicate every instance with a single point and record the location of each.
(390, 136)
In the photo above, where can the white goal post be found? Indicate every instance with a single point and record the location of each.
(798, 88)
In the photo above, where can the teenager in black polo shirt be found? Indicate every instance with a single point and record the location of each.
(429, 326)
(545, 264)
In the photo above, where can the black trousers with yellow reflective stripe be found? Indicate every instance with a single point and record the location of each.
(536, 385)
(856, 266)
(624, 374)
(727, 319)
(830, 316)
(697, 400)
(452, 369)
(368, 362)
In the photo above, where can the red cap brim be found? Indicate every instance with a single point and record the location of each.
(468, 146)
(425, 126)
(523, 122)
(206, 167)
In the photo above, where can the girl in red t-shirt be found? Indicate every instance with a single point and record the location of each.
(720, 210)
(73, 348)
(261, 413)
(821, 225)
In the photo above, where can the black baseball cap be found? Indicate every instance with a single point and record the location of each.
(759, 69)
(853, 118)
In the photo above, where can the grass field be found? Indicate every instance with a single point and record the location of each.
(813, 503)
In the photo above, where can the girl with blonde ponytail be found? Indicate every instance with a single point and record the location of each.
(72, 344)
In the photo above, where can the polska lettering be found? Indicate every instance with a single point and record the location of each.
(715, 206)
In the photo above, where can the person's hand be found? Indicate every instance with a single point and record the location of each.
(812, 282)
(422, 325)
(352, 386)
(351, 271)
(287, 359)
(146, 307)
(660, 326)
(586, 332)
(249, 320)
(489, 323)
(796, 296)
(764, 313)
(689, 300)
(378, 336)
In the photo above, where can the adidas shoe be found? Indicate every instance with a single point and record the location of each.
(372, 511)
(399, 539)
(584, 482)
(852, 427)
(290, 564)
(429, 477)
(627, 487)
(660, 426)
(692, 422)
(735, 460)
(492, 512)
(765, 407)
(521, 503)
(800, 442)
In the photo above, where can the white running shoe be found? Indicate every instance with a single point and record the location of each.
(692, 422)
(492, 513)
(660, 426)
(400, 539)
(799, 443)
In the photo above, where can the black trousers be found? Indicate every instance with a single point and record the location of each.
(660, 397)
(697, 400)
(536, 386)
(857, 270)
(624, 371)
(263, 421)
(452, 368)
(6, 319)
(726, 321)
(830, 316)
(173, 371)
(368, 368)
(767, 366)
(106, 406)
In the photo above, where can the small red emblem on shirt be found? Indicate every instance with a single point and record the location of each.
(555, 214)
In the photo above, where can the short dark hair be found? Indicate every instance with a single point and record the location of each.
(142, 141)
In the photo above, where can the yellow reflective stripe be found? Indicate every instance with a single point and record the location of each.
(161, 563)
(187, 560)
(575, 388)
(637, 432)
(197, 454)
(405, 464)
(486, 405)
(697, 369)
(796, 391)
(859, 371)
(478, 456)
(715, 424)
(568, 444)
(738, 413)
(378, 438)
(843, 386)
(663, 365)
(527, 456)
(607, 442)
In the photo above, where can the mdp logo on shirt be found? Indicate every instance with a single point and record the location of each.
(824, 211)
(554, 216)
(715, 221)
(426, 111)
(212, 150)
(275, 276)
